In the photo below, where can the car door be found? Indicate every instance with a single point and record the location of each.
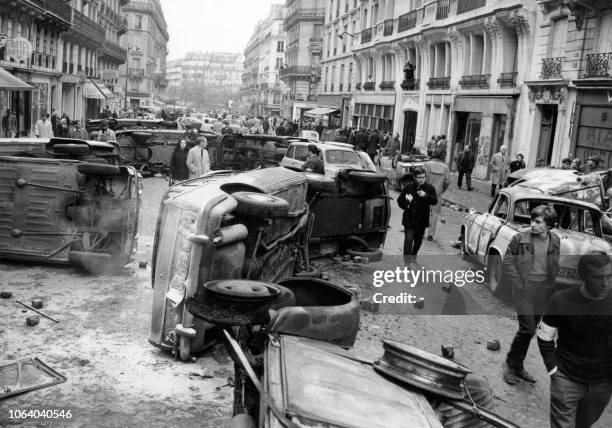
(492, 222)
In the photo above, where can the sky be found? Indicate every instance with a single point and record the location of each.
(212, 25)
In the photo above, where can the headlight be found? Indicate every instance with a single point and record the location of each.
(182, 257)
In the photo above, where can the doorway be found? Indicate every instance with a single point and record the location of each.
(410, 123)
(548, 126)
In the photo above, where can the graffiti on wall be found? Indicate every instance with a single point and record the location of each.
(484, 150)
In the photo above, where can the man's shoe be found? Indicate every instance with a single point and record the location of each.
(525, 375)
(510, 376)
(470, 189)
(430, 238)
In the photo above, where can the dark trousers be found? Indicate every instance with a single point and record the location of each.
(413, 238)
(468, 178)
(574, 404)
(493, 187)
(529, 304)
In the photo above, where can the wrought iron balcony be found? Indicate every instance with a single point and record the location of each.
(366, 35)
(467, 5)
(475, 81)
(551, 68)
(439, 83)
(387, 86)
(442, 9)
(369, 86)
(410, 84)
(597, 65)
(114, 52)
(305, 14)
(58, 8)
(84, 28)
(388, 30)
(407, 21)
(299, 70)
(507, 80)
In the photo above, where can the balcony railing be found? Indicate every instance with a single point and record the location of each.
(475, 81)
(306, 14)
(82, 26)
(407, 21)
(40, 59)
(551, 68)
(410, 84)
(369, 86)
(387, 86)
(442, 9)
(467, 5)
(114, 51)
(58, 8)
(507, 80)
(439, 83)
(388, 30)
(597, 65)
(299, 70)
(366, 35)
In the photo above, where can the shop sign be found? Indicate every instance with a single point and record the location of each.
(109, 74)
(19, 49)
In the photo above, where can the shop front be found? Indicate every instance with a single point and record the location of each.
(374, 111)
(93, 100)
(338, 109)
(593, 134)
(481, 122)
(16, 95)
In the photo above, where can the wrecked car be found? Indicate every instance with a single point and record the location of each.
(57, 209)
(352, 211)
(487, 235)
(224, 225)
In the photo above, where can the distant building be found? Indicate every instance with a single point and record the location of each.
(261, 88)
(302, 74)
(210, 69)
(147, 45)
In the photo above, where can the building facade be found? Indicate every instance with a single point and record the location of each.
(569, 88)
(342, 24)
(264, 56)
(144, 74)
(61, 49)
(302, 70)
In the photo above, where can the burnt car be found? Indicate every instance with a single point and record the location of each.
(403, 169)
(61, 148)
(244, 152)
(224, 225)
(61, 210)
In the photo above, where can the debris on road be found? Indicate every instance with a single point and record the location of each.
(6, 294)
(369, 305)
(37, 311)
(493, 345)
(32, 320)
(448, 351)
(37, 303)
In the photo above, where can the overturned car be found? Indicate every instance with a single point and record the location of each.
(63, 201)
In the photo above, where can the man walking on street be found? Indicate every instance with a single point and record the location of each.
(9, 125)
(373, 145)
(580, 364)
(415, 199)
(438, 175)
(499, 164)
(198, 162)
(531, 264)
(43, 128)
(393, 148)
(465, 165)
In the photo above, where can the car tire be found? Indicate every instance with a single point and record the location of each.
(71, 149)
(98, 169)
(319, 183)
(95, 263)
(372, 255)
(367, 177)
(260, 205)
(494, 265)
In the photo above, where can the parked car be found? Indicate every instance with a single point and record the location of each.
(61, 148)
(352, 214)
(62, 210)
(311, 135)
(244, 152)
(487, 235)
(251, 225)
(403, 168)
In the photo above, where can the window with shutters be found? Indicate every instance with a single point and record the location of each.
(605, 34)
(556, 48)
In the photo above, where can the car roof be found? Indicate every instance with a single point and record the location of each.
(555, 180)
(324, 145)
(519, 193)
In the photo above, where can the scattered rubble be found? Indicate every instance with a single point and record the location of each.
(32, 320)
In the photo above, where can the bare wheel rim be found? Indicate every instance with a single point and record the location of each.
(94, 241)
(494, 273)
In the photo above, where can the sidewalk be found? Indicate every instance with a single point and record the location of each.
(478, 199)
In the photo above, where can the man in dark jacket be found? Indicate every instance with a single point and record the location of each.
(465, 165)
(373, 145)
(415, 199)
(314, 162)
(361, 139)
(531, 264)
(580, 365)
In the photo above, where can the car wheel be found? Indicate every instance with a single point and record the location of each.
(98, 169)
(260, 204)
(494, 267)
(71, 149)
(145, 171)
(367, 177)
(319, 183)
(372, 255)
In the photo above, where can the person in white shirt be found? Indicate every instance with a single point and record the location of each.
(43, 128)
(198, 162)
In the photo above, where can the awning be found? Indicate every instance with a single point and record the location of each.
(104, 89)
(91, 90)
(8, 82)
(320, 111)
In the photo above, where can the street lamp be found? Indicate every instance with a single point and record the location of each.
(348, 34)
